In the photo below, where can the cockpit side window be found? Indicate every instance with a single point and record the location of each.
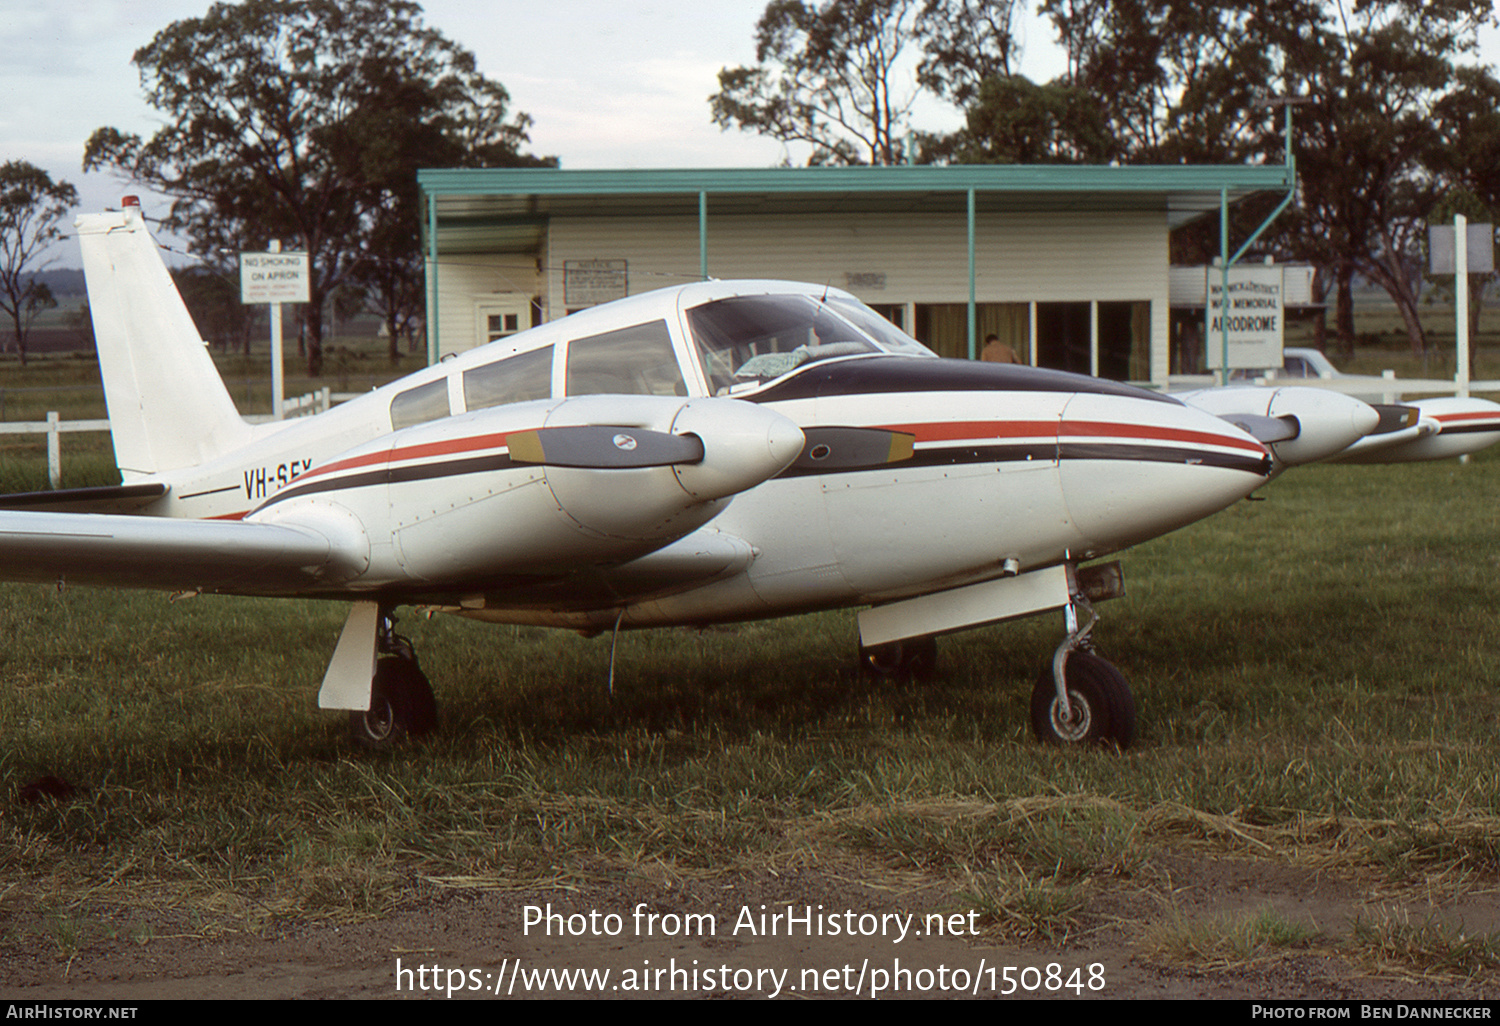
(891, 338)
(638, 360)
(755, 338)
(516, 379)
(421, 404)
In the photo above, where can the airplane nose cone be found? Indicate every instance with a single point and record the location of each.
(1133, 469)
(743, 445)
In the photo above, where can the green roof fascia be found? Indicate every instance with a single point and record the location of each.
(919, 178)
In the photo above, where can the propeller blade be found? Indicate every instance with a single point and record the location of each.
(852, 448)
(602, 447)
(1265, 429)
(1395, 417)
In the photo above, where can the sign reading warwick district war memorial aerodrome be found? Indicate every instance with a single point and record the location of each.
(1255, 316)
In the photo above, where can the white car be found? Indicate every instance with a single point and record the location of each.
(1295, 363)
(1311, 367)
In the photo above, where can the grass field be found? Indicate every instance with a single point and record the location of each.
(1314, 671)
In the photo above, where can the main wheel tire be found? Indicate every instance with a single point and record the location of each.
(912, 659)
(1102, 707)
(401, 705)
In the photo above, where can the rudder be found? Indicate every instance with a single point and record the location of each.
(168, 407)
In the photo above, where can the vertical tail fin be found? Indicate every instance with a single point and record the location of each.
(168, 407)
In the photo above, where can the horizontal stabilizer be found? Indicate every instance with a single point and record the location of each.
(108, 499)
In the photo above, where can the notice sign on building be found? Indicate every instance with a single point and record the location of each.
(586, 282)
(1254, 316)
(274, 278)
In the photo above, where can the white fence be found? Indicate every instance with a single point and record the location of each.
(54, 427)
(1384, 389)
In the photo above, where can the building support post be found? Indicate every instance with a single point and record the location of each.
(973, 310)
(1290, 162)
(432, 282)
(703, 235)
(1461, 305)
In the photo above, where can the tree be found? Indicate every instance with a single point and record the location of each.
(1370, 152)
(31, 204)
(1469, 123)
(285, 119)
(1012, 120)
(966, 43)
(1182, 81)
(827, 76)
(394, 138)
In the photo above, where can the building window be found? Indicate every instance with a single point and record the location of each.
(945, 327)
(1124, 345)
(1106, 339)
(500, 316)
(1063, 335)
(501, 325)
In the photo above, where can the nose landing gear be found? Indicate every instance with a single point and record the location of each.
(1080, 698)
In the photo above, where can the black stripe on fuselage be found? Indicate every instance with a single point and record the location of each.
(397, 475)
(882, 375)
(941, 456)
(1470, 429)
(958, 455)
(885, 375)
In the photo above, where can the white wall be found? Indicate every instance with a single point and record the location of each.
(882, 258)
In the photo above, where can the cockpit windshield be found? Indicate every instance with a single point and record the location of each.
(749, 339)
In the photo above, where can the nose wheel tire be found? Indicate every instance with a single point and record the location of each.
(401, 705)
(1102, 709)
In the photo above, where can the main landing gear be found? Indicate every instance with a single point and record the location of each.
(911, 659)
(401, 700)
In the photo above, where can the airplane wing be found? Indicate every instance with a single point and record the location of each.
(1443, 427)
(162, 553)
(1307, 425)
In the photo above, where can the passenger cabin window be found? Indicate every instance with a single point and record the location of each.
(421, 404)
(632, 361)
(515, 379)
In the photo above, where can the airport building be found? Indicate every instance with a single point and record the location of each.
(1066, 265)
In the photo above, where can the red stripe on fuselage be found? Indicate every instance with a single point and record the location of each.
(1445, 418)
(977, 430)
(448, 447)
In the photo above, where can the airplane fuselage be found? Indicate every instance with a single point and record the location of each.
(1008, 464)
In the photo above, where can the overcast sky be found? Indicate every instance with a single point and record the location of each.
(609, 83)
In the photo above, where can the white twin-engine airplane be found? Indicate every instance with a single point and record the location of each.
(714, 452)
